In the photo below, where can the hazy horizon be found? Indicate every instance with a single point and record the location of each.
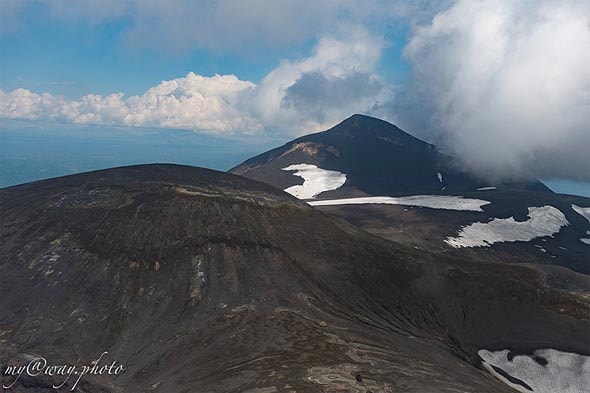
(30, 152)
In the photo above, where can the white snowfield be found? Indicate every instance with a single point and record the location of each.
(447, 202)
(486, 188)
(563, 372)
(586, 240)
(542, 221)
(315, 180)
(583, 211)
(439, 175)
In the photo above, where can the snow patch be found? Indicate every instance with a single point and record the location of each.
(315, 180)
(583, 211)
(586, 240)
(447, 202)
(440, 178)
(486, 188)
(545, 371)
(543, 221)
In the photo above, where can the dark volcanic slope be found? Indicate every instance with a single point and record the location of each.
(379, 159)
(428, 228)
(199, 281)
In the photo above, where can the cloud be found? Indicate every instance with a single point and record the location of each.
(335, 81)
(221, 25)
(314, 93)
(23, 104)
(284, 97)
(192, 102)
(506, 85)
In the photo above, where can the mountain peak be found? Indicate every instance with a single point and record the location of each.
(360, 117)
(371, 126)
(359, 120)
(376, 157)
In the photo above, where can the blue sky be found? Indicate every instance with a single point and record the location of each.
(500, 84)
(79, 59)
(79, 55)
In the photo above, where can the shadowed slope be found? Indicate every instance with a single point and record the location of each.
(197, 280)
(367, 157)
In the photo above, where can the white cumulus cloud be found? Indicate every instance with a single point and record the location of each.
(336, 80)
(506, 84)
(193, 102)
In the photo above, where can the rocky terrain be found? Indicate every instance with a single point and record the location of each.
(370, 173)
(201, 281)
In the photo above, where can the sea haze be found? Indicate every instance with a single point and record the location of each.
(30, 152)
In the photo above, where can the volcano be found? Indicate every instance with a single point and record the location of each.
(199, 281)
(387, 182)
(376, 157)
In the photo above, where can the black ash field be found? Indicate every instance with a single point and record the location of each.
(202, 281)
